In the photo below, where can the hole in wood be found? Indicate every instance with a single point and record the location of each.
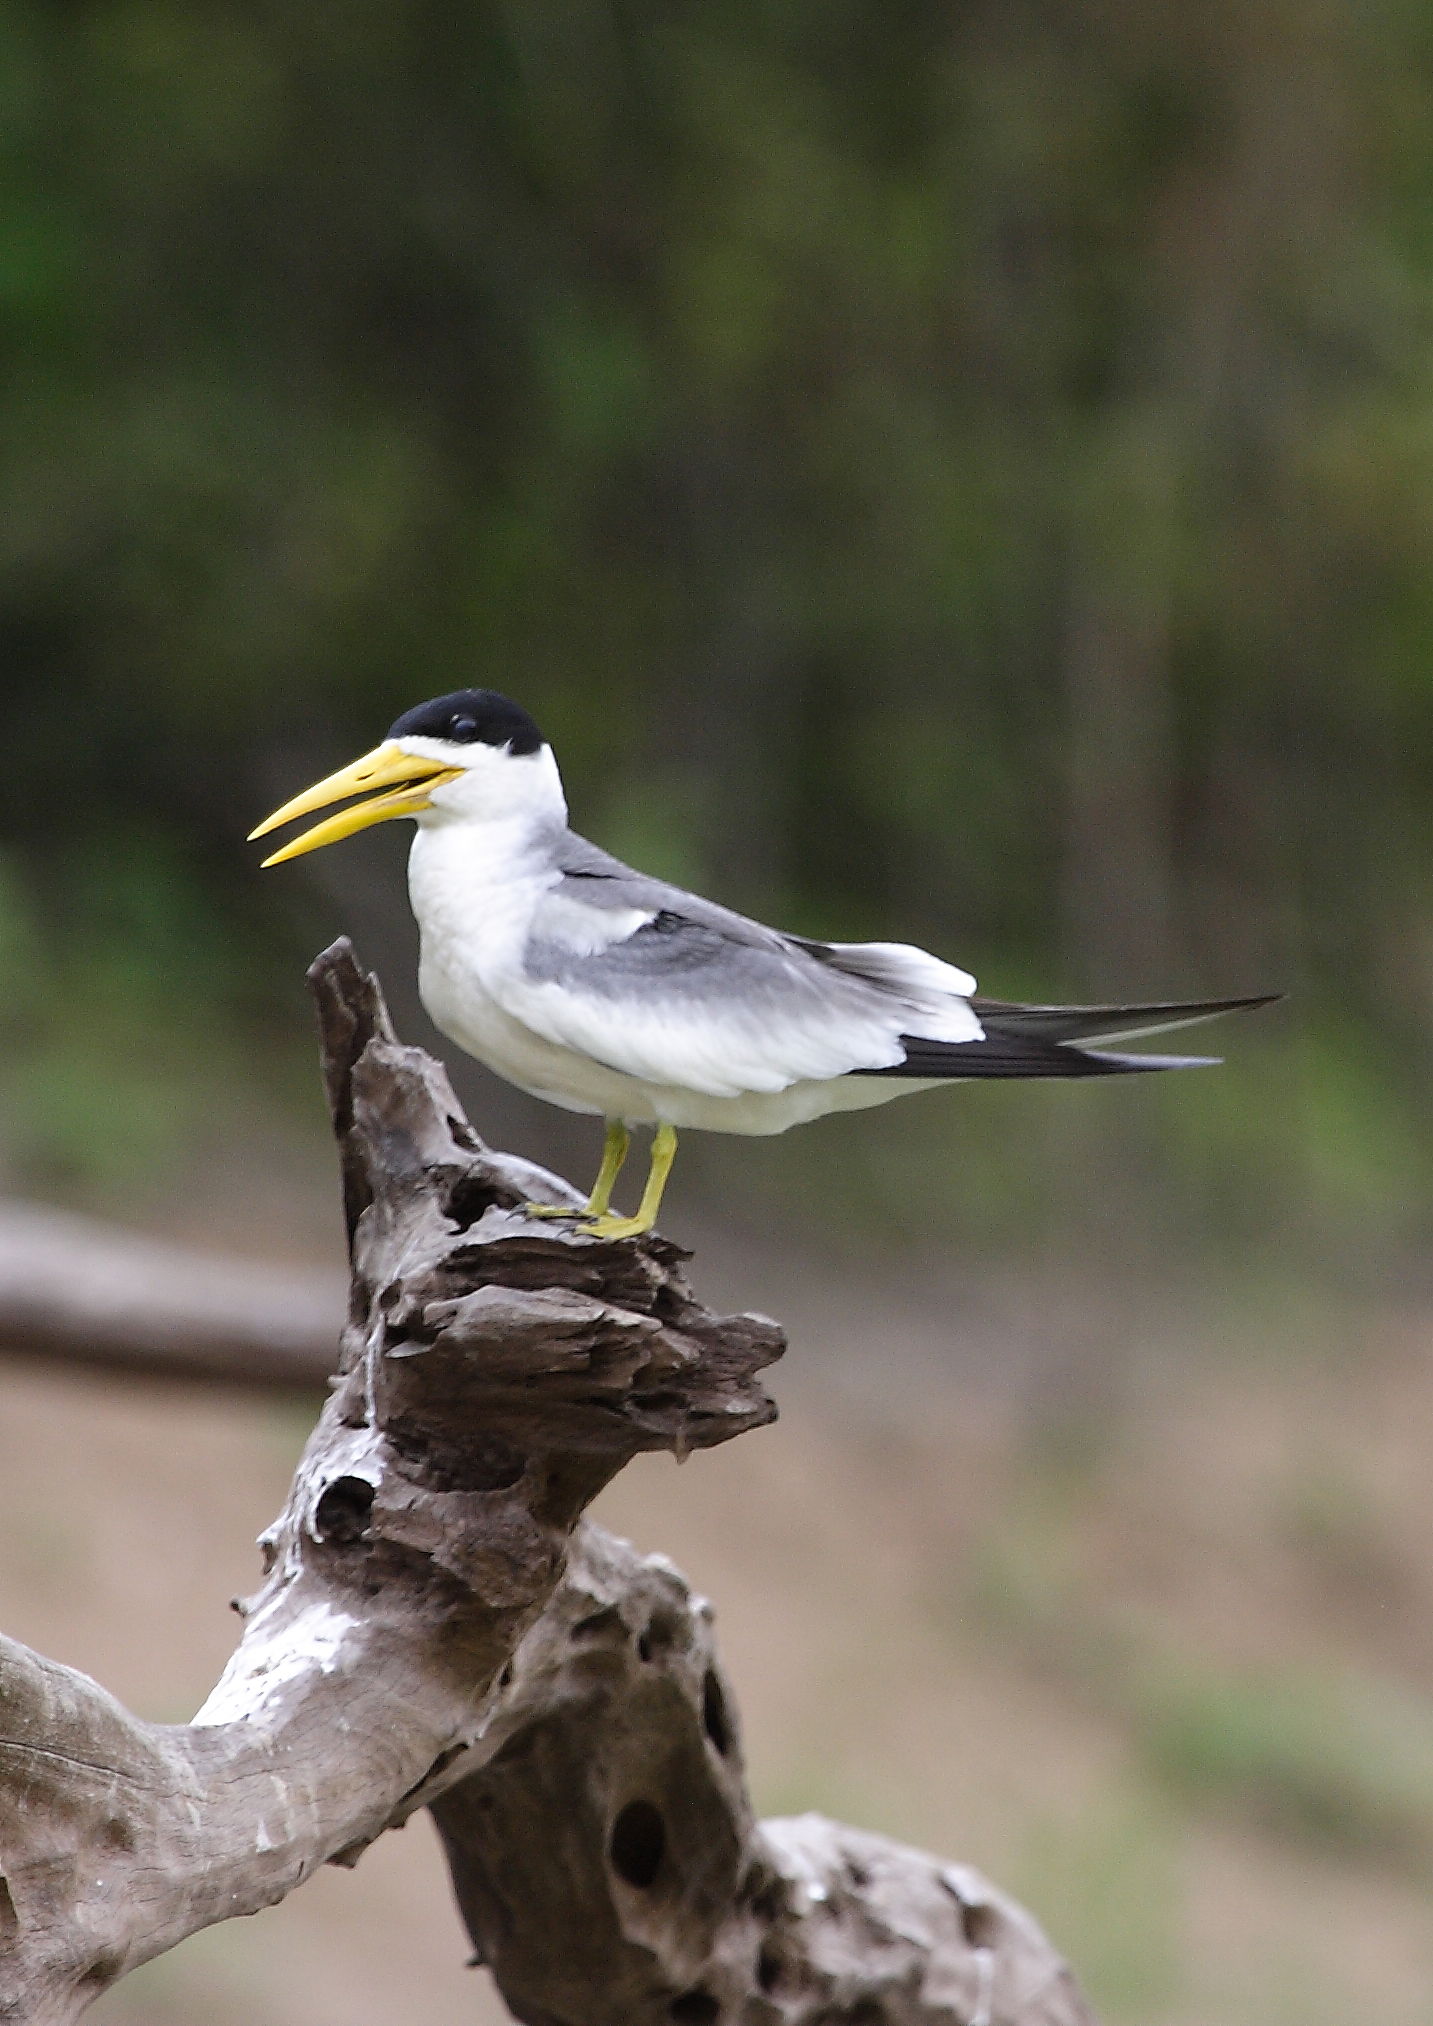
(639, 1838)
(343, 1511)
(468, 1200)
(979, 1923)
(695, 2008)
(663, 1631)
(715, 1721)
(768, 1969)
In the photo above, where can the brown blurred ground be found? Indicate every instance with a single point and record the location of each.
(1155, 1650)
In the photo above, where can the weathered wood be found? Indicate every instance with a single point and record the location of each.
(438, 1627)
(611, 1872)
(494, 1373)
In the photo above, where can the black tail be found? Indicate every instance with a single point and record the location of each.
(1040, 1040)
(1105, 1023)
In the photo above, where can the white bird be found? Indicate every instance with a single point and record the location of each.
(601, 990)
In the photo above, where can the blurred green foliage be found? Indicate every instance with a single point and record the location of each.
(958, 474)
(1342, 1761)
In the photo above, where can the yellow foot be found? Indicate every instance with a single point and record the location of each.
(609, 1225)
(612, 1226)
(574, 1210)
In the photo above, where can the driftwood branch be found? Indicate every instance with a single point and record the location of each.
(77, 1291)
(611, 1871)
(494, 1374)
(438, 1627)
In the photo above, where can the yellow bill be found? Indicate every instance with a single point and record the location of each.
(410, 781)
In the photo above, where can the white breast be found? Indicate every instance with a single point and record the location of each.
(475, 890)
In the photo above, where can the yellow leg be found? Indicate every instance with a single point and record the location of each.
(664, 1152)
(614, 1153)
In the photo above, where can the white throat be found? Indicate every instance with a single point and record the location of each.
(484, 856)
(496, 788)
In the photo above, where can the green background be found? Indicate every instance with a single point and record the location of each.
(957, 474)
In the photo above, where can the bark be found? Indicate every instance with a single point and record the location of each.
(439, 1627)
(494, 1373)
(611, 1871)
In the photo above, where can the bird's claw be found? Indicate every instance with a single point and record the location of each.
(612, 1226)
(595, 1224)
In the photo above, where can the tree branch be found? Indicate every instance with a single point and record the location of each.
(494, 1374)
(438, 1627)
(75, 1290)
(609, 1809)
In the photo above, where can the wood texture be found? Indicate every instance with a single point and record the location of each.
(438, 1626)
(494, 1372)
(611, 1871)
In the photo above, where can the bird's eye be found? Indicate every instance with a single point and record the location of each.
(462, 727)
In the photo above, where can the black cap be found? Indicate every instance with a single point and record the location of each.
(468, 717)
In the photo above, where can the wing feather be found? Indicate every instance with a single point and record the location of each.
(671, 989)
(702, 998)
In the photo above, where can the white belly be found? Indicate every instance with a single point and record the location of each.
(468, 1014)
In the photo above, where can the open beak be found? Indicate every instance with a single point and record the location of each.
(410, 782)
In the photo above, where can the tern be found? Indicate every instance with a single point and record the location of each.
(599, 989)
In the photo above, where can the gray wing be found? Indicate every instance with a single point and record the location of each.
(672, 989)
